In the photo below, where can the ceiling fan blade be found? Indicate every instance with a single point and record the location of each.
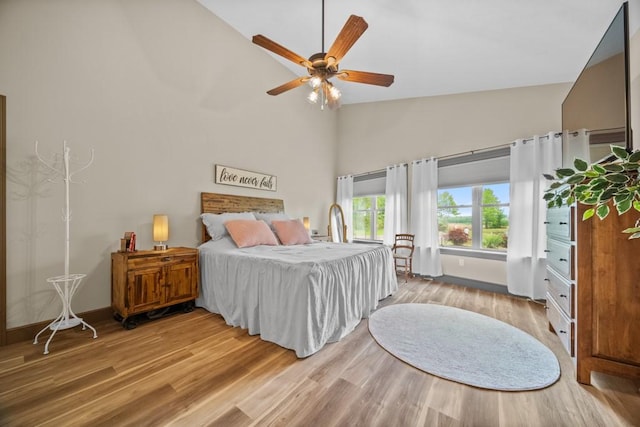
(365, 77)
(276, 48)
(288, 86)
(350, 33)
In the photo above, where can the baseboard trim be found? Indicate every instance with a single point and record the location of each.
(471, 283)
(28, 332)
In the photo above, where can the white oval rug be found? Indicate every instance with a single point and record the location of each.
(464, 346)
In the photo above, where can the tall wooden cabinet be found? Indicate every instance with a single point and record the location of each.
(144, 281)
(608, 297)
(593, 293)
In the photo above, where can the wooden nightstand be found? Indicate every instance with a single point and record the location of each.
(145, 281)
(321, 237)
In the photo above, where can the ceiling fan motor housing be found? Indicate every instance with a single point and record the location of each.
(320, 65)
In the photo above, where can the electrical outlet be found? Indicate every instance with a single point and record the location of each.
(461, 262)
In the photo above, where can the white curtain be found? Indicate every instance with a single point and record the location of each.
(526, 259)
(576, 146)
(424, 217)
(395, 207)
(344, 197)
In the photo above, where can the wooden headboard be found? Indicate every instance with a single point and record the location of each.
(221, 203)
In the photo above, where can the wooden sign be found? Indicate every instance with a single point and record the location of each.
(242, 178)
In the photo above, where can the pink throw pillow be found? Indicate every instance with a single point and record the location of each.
(250, 232)
(291, 232)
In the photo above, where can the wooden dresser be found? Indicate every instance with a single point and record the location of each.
(593, 291)
(144, 281)
(608, 297)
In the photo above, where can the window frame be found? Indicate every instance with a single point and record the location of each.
(373, 214)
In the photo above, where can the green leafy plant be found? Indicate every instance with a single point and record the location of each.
(598, 184)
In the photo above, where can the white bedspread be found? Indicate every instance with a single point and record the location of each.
(300, 297)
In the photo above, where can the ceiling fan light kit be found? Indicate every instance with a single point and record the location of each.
(323, 66)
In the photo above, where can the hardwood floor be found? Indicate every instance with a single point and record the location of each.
(192, 369)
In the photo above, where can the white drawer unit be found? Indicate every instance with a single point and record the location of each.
(559, 223)
(562, 325)
(561, 274)
(561, 290)
(560, 257)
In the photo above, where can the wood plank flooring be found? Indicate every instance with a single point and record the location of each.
(192, 369)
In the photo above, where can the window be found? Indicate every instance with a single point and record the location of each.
(474, 217)
(473, 201)
(368, 217)
(368, 205)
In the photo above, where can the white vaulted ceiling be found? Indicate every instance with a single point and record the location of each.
(434, 47)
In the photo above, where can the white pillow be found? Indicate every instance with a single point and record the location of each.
(268, 217)
(215, 222)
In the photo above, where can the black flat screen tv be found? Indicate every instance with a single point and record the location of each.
(599, 99)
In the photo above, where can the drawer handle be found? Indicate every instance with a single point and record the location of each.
(563, 223)
(563, 296)
(546, 279)
(562, 332)
(563, 259)
(547, 250)
(165, 259)
(547, 222)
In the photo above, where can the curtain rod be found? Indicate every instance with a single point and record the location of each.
(369, 173)
(377, 171)
(593, 131)
(494, 147)
(464, 153)
(545, 136)
(479, 150)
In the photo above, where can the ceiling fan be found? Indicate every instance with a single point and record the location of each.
(323, 66)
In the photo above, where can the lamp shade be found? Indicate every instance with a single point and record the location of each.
(160, 228)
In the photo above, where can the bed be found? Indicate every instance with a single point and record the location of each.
(299, 297)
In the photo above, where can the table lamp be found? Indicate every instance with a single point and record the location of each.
(160, 231)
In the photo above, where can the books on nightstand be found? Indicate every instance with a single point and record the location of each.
(128, 244)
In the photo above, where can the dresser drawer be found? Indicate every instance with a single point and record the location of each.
(559, 222)
(561, 290)
(159, 260)
(561, 324)
(560, 257)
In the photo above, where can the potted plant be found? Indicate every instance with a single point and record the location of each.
(596, 185)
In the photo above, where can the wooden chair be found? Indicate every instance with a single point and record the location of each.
(403, 253)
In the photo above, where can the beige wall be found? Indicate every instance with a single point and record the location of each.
(374, 135)
(162, 90)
